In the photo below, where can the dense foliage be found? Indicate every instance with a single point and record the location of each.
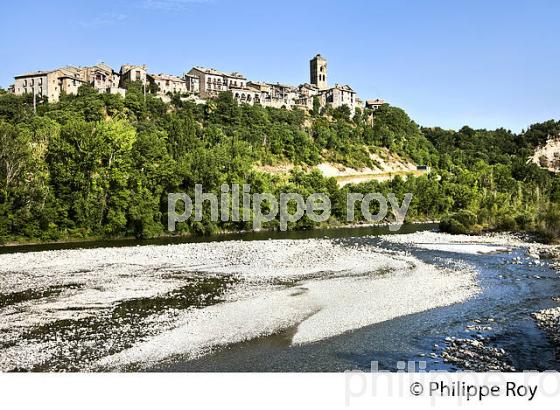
(101, 165)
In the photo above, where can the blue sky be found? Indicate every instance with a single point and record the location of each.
(483, 63)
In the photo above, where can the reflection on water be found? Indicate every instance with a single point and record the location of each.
(242, 236)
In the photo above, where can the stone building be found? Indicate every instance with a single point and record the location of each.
(308, 90)
(260, 87)
(37, 83)
(69, 84)
(374, 104)
(193, 84)
(340, 95)
(262, 92)
(211, 82)
(104, 79)
(318, 72)
(168, 83)
(307, 93)
(246, 95)
(199, 83)
(272, 95)
(235, 80)
(50, 84)
(101, 77)
(131, 72)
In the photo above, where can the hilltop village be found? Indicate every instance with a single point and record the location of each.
(199, 84)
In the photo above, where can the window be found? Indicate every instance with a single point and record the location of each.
(138, 75)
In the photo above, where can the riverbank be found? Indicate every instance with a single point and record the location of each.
(127, 308)
(141, 307)
(170, 239)
(548, 251)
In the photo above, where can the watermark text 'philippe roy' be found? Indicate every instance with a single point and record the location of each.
(238, 204)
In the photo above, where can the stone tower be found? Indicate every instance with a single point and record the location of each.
(318, 71)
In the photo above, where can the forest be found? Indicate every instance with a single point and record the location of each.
(101, 166)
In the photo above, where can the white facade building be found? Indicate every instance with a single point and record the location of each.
(193, 84)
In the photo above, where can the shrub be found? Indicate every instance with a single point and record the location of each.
(467, 218)
(452, 226)
(507, 223)
(461, 222)
(524, 221)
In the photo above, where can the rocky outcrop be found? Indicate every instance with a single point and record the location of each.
(548, 156)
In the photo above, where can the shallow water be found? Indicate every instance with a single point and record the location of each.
(509, 293)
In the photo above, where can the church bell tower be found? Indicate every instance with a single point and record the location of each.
(318, 71)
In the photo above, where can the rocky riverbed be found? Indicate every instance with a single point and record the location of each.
(332, 300)
(476, 355)
(132, 307)
(549, 320)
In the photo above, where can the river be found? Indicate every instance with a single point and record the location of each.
(322, 300)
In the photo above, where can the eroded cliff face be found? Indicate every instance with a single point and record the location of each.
(387, 166)
(548, 156)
